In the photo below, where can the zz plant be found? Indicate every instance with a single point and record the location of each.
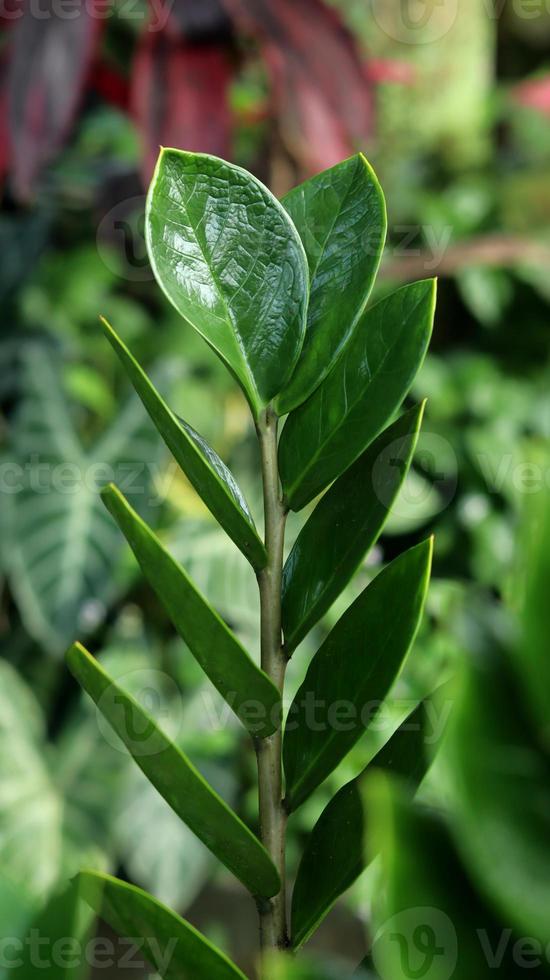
(279, 290)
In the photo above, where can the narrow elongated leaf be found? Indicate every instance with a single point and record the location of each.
(228, 257)
(172, 945)
(364, 389)
(344, 525)
(353, 672)
(176, 779)
(499, 783)
(333, 860)
(341, 217)
(429, 920)
(212, 480)
(250, 693)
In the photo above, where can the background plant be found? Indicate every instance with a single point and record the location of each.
(471, 163)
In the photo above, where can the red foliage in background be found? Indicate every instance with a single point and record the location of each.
(178, 89)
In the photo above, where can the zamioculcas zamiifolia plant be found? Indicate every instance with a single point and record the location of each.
(280, 291)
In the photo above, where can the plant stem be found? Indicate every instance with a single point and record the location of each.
(273, 924)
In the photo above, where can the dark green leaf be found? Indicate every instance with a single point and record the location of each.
(250, 693)
(431, 922)
(333, 860)
(353, 672)
(172, 945)
(499, 783)
(341, 217)
(343, 526)
(228, 257)
(176, 779)
(364, 389)
(210, 477)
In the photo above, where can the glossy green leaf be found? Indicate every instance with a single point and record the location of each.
(428, 920)
(173, 946)
(341, 217)
(227, 255)
(353, 672)
(176, 779)
(209, 475)
(333, 860)
(250, 693)
(343, 526)
(499, 783)
(364, 389)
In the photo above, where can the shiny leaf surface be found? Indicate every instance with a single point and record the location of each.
(341, 217)
(210, 477)
(333, 859)
(353, 672)
(176, 779)
(343, 526)
(228, 257)
(172, 945)
(250, 693)
(324, 436)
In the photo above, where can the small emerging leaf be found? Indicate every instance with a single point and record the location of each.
(343, 526)
(228, 257)
(364, 389)
(210, 477)
(353, 672)
(176, 779)
(332, 861)
(341, 217)
(172, 945)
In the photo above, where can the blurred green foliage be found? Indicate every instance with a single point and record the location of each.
(466, 170)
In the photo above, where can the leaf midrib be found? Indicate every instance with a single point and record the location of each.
(229, 319)
(319, 452)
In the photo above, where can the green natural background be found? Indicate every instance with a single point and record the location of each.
(460, 139)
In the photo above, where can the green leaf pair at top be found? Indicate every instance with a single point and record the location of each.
(280, 291)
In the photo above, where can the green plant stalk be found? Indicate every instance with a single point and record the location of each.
(273, 818)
